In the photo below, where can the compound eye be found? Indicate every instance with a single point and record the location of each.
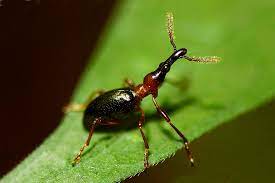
(166, 68)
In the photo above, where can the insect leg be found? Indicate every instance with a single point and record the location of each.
(146, 145)
(86, 144)
(129, 83)
(182, 84)
(74, 107)
(186, 143)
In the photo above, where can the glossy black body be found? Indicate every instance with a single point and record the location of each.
(111, 106)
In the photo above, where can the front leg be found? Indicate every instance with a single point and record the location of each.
(186, 143)
(129, 83)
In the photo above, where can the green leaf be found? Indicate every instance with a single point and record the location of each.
(133, 45)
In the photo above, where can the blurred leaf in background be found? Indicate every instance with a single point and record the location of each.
(241, 32)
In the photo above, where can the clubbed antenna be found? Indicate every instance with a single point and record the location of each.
(170, 29)
(207, 59)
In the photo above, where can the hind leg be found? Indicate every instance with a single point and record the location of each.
(74, 107)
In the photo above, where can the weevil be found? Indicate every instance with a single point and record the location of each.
(108, 108)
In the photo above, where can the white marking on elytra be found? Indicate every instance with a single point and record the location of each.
(121, 95)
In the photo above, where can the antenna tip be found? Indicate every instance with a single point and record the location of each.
(213, 59)
(170, 28)
(207, 59)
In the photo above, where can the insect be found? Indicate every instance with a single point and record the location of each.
(108, 108)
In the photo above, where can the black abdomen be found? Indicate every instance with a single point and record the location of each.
(112, 105)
